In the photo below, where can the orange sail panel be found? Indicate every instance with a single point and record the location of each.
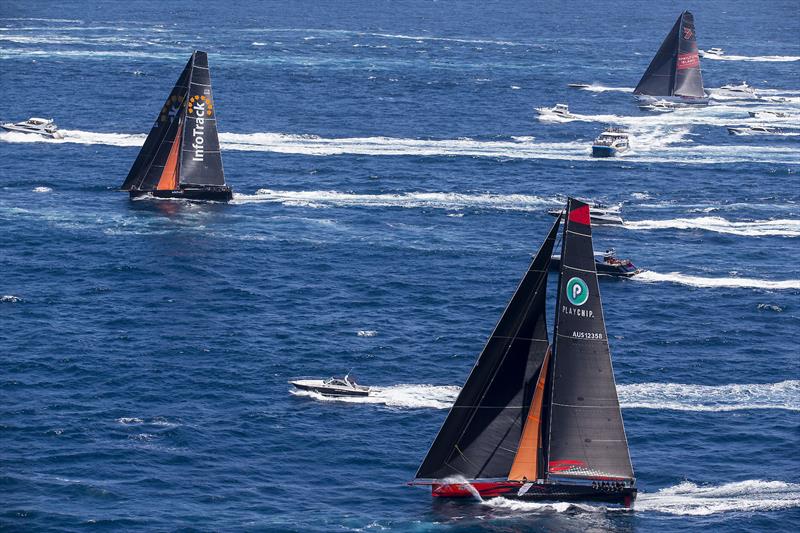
(169, 176)
(526, 461)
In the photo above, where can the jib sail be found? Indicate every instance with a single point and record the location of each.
(481, 434)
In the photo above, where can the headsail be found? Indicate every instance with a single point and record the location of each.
(165, 123)
(182, 147)
(675, 69)
(480, 435)
(586, 435)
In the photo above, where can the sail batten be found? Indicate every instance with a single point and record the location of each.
(480, 436)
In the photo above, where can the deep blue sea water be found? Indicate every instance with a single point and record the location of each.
(392, 181)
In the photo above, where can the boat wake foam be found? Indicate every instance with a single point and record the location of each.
(755, 228)
(733, 397)
(777, 59)
(404, 396)
(648, 146)
(749, 496)
(432, 200)
(648, 276)
(661, 396)
(684, 499)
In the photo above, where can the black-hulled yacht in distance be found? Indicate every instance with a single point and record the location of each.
(674, 73)
(181, 157)
(537, 421)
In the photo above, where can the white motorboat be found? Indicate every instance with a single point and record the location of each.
(767, 114)
(662, 106)
(743, 89)
(716, 52)
(599, 214)
(558, 110)
(610, 143)
(345, 386)
(39, 126)
(754, 130)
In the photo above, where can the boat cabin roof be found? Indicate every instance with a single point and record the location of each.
(38, 121)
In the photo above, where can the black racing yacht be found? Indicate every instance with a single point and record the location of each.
(181, 157)
(535, 420)
(674, 73)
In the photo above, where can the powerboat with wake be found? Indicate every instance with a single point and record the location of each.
(767, 114)
(754, 130)
(38, 126)
(606, 263)
(712, 52)
(558, 110)
(674, 73)
(539, 421)
(743, 89)
(601, 215)
(610, 143)
(334, 386)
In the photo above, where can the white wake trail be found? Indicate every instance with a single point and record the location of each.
(767, 59)
(648, 276)
(715, 398)
(435, 200)
(684, 499)
(755, 228)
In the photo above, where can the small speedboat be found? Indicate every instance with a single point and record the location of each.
(39, 126)
(662, 106)
(606, 264)
(559, 110)
(600, 215)
(345, 386)
(578, 85)
(610, 143)
(767, 114)
(743, 89)
(754, 130)
(717, 52)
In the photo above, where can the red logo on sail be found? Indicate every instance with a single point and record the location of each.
(687, 33)
(565, 465)
(690, 60)
(580, 215)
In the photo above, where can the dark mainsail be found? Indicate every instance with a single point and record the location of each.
(181, 156)
(675, 69)
(201, 162)
(586, 435)
(480, 435)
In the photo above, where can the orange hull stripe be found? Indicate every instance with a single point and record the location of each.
(169, 176)
(526, 462)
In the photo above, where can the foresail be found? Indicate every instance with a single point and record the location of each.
(659, 78)
(480, 435)
(201, 161)
(688, 78)
(586, 437)
(166, 118)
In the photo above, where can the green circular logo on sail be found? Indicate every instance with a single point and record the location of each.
(577, 291)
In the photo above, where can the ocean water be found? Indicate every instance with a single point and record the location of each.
(392, 181)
